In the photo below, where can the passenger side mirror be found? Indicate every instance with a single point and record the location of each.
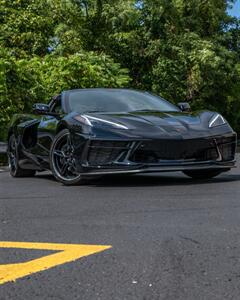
(184, 106)
(41, 109)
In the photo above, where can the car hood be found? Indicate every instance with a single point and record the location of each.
(155, 124)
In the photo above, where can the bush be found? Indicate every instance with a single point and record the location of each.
(24, 82)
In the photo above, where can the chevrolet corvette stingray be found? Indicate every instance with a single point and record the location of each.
(87, 132)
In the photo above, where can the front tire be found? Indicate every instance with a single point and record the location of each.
(203, 174)
(13, 160)
(62, 159)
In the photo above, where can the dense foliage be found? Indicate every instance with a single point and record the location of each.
(183, 50)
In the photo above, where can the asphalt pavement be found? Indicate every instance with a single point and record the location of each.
(171, 237)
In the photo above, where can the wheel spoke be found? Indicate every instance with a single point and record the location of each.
(73, 167)
(64, 168)
(59, 153)
(69, 143)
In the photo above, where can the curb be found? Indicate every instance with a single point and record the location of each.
(3, 154)
(3, 147)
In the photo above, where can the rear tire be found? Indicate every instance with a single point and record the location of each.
(203, 174)
(62, 160)
(13, 160)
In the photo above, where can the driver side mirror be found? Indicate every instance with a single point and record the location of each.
(40, 108)
(184, 106)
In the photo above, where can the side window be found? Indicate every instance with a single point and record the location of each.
(57, 106)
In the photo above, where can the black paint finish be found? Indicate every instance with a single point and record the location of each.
(145, 141)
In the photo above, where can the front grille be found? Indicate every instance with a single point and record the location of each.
(106, 152)
(195, 149)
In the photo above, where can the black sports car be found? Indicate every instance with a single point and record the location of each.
(88, 132)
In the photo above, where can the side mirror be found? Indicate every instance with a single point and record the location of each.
(184, 106)
(40, 108)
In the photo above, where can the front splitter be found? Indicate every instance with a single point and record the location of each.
(153, 169)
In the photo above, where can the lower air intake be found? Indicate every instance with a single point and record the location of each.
(105, 152)
(195, 150)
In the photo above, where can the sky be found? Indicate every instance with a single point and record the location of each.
(235, 11)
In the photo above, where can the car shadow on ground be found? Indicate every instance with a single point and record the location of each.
(147, 180)
(157, 180)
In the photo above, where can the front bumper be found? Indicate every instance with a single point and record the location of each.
(102, 157)
(151, 169)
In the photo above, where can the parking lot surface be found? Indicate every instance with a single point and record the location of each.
(166, 237)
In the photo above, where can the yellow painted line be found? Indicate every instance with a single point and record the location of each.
(66, 253)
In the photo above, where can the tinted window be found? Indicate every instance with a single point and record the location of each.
(110, 100)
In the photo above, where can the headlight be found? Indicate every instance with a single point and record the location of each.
(89, 120)
(217, 120)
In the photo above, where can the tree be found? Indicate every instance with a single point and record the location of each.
(183, 50)
(26, 26)
(26, 81)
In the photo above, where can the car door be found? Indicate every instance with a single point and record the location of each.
(46, 132)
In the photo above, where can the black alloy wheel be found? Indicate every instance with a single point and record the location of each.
(62, 161)
(15, 170)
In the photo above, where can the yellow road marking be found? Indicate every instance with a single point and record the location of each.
(66, 253)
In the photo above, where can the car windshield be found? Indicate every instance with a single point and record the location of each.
(116, 100)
